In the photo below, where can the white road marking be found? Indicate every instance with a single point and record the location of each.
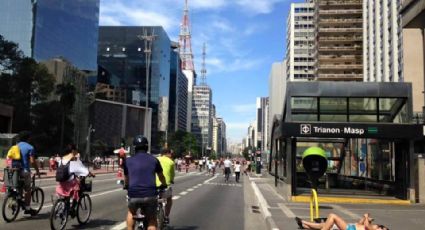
(183, 193)
(346, 211)
(286, 210)
(176, 197)
(190, 189)
(120, 226)
(207, 181)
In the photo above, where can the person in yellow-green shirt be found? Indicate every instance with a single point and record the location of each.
(167, 165)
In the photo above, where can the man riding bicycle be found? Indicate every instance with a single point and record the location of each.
(167, 165)
(139, 172)
(28, 158)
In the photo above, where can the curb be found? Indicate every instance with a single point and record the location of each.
(264, 207)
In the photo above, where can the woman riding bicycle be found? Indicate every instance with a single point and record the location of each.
(71, 185)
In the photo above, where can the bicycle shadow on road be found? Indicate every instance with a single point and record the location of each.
(96, 223)
(36, 217)
(183, 227)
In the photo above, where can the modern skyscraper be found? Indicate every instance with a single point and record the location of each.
(219, 136)
(339, 40)
(300, 42)
(178, 94)
(122, 64)
(382, 43)
(261, 123)
(46, 29)
(202, 115)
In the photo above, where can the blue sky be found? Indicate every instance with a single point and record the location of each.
(243, 38)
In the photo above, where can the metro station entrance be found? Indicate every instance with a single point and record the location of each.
(365, 130)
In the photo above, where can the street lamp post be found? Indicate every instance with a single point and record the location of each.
(148, 39)
(91, 130)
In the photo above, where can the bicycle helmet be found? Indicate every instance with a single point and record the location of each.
(140, 141)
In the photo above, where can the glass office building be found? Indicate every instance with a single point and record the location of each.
(122, 64)
(46, 29)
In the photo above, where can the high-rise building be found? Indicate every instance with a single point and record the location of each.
(219, 143)
(178, 94)
(382, 41)
(261, 123)
(339, 40)
(122, 63)
(413, 19)
(277, 90)
(300, 42)
(46, 29)
(201, 115)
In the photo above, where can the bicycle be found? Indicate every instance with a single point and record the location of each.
(140, 222)
(65, 207)
(14, 199)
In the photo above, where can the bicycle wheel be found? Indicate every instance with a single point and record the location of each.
(37, 199)
(10, 208)
(160, 217)
(84, 209)
(59, 215)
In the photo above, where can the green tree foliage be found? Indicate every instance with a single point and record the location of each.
(182, 142)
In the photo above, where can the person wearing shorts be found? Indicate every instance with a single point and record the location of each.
(334, 220)
(140, 171)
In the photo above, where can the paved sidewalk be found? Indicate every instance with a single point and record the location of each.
(279, 212)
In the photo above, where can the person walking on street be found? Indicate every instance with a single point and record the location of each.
(237, 169)
(167, 165)
(227, 165)
(140, 173)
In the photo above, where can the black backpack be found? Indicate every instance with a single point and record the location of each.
(62, 172)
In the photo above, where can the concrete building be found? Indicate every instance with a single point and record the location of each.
(300, 42)
(110, 93)
(202, 115)
(382, 41)
(219, 142)
(277, 90)
(261, 128)
(47, 29)
(114, 121)
(339, 40)
(413, 22)
(65, 72)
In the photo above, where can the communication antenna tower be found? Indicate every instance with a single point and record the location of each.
(204, 69)
(185, 43)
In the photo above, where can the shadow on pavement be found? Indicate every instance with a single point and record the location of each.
(183, 227)
(94, 224)
(36, 217)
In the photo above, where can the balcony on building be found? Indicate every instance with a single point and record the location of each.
(339, 77)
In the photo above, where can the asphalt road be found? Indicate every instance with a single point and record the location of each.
(200, 202)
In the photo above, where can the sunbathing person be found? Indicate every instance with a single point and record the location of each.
(363, 224)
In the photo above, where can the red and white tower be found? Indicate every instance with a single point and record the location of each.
(186, 56)
(185, 44)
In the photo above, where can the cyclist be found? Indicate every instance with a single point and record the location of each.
(71, 185)
(167, 165)
(139, 179)
(28, 158)
(227, 165)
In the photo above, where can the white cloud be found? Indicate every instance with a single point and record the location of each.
(207, 4)
(258, 6)
(116, 12)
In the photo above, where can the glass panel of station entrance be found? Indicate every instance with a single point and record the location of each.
(355, 166)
